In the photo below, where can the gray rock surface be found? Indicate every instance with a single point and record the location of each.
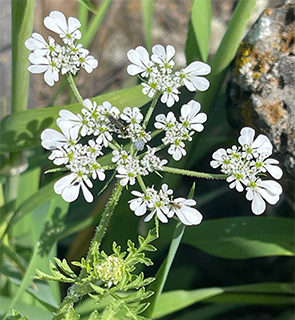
(261, 94)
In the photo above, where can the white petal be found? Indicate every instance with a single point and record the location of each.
(274, 171)
(37, 59)
(196, 83)
(141, 210)
(50, 76)
(64, 182)
(87, 194)
(74, 24)
(56, 22)
(258, 205)
(198, 68)
(247, 136)
(149, 216)
(37, 68)
(170, 52)
(273, 186)
(71, 193)
(36, 42)
(197, 127)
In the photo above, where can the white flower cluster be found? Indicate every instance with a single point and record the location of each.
(52, 58)
(157, 73)
(164, 206)
(177, 132)
(128, 166)
(101, 123)
(246, 164)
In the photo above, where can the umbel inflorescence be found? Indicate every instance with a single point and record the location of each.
(85, 138)
(52, 58)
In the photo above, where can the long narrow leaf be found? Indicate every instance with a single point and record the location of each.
(226, 51)
(161, 276)
(51, 219)
(22, 26)
(244, 237)
(95, 22)
(32, 203)
(197, 44)
(147, 14)
(262, 293)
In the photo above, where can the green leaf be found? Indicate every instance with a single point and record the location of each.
(226, 52)
(147, 14)
(46, 221)
(197, 44)
(22, 26)
(96, 20)
(33, 312)
(63, 265)
(173, 301)
(15, 315)
(94, 315)
(23, 129)
(87, 4)
(42, 196)
(262, 293)
(244, 237)
(162, 274)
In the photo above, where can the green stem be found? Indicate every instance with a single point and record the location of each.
(150, 111)
(105, 219)
(195, 173)
(71, 297)
(141, 183)
(74, 87)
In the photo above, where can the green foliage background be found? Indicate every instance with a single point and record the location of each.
(231, 266)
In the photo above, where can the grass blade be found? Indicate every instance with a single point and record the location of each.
(197, 44)
(147, 14)
(226, 51)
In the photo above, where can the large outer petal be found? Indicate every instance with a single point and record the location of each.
(56, 22)
(194, 83)
(73, 24)
(64, 182)
(247, 136)
(35, 42)
(197, 68)
(37, 68)
(87, 194)
(52, 139)
(258, 205)
(274, 170)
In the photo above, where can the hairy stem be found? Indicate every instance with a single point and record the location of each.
(74, 87)
(195, 174)
(150, 111)
(141, 183)
(105, 219)
(74, 292)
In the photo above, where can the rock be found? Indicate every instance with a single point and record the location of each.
(261, 94)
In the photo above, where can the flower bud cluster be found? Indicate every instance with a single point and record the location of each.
(245, 165)
(157, 73)
(52, 58)
(111, 270)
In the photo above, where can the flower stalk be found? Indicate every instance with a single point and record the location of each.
(74, 88)
(71, 297)
(195, 174)
(150, 111)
